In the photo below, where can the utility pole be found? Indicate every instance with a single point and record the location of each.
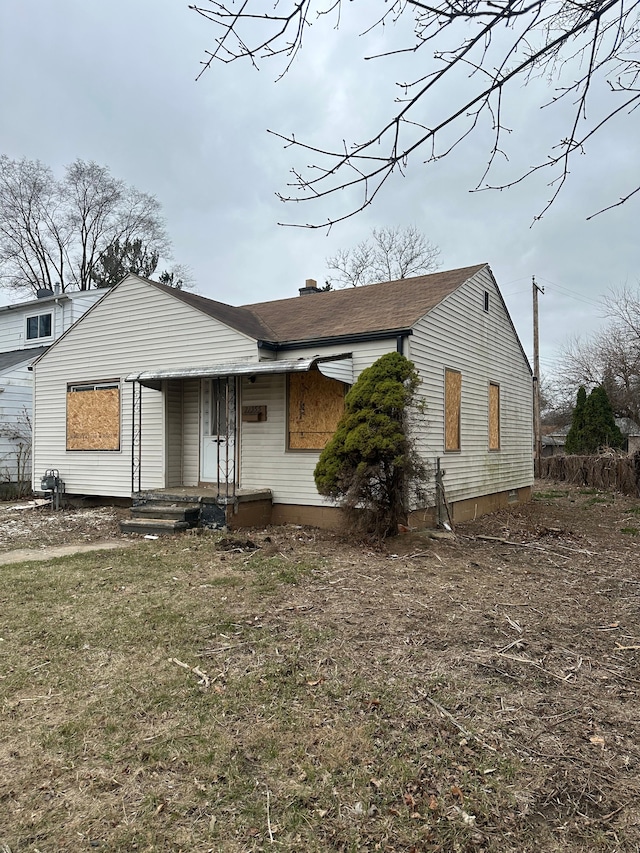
(537, 438)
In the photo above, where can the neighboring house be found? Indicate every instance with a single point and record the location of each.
(553, 443)
(631, 434)
(161, 389)
(26, 331)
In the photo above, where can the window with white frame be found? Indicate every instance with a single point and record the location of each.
(39, 326)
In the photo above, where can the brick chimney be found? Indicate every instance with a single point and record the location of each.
(310, 286)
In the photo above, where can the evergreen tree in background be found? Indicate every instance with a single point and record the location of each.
(594, 425)
(121, 258)
(600, 429)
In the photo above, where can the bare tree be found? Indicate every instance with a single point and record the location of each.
(610, 358)
(479, 49)
(622, 306)
(389, 254)
(57, 231)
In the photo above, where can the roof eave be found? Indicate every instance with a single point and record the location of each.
(336, 340)
(44, 300)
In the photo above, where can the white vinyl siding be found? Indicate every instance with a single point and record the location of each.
(483, 347)
(64, 311)
(136, 327)
(173, 415)
(191, 432)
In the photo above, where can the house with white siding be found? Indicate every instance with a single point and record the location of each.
(157, 391)
(27, 329)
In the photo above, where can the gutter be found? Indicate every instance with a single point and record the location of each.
(358, 337)
(59, 297)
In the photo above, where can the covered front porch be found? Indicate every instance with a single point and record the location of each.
(226, 437)
(205, 418)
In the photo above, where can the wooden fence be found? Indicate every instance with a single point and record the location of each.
(609, 472)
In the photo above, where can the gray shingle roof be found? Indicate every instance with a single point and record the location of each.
(10, 359)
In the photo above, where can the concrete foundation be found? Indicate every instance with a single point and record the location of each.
(255, 509)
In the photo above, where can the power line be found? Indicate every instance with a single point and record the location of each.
(514, 292)
(567, 291)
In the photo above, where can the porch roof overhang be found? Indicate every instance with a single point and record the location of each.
(338, 367)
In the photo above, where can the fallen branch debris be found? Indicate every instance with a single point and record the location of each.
(203, 678)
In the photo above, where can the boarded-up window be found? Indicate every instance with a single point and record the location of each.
(93, 416)
(494, 416)
(316, 404)
(452, 399)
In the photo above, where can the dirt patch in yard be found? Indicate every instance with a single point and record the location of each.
(478, 693)
(521, 636)
(25, 524)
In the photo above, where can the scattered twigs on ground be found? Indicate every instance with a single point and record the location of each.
(538, 666)
(605, 818)
(513, 623)
(533, 545)
(269, 817)
(453, 720)
(203, 678)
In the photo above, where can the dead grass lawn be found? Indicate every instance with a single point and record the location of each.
(479, 694)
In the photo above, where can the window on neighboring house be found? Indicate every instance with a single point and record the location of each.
(93, 416)
(486, 301)
(452, 401)
(494, 416)
(38, 326)
(316, 404)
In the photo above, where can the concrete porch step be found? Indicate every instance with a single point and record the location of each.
(177, 512)
(154, 526)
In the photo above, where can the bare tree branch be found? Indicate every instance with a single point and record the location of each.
(573, 45)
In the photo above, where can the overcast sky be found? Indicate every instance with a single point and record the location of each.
(115, 83)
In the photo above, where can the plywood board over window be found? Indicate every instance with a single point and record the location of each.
(494, 416)
(316, 404)
(93, 416)
(452, 404)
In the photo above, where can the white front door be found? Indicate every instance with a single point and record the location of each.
(218, 429)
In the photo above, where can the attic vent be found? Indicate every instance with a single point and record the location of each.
(310, 286)
(43, 292)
